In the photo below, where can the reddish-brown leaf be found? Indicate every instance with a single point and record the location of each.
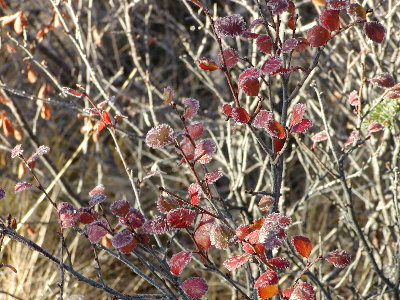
(235, 262)
(179, 261)
(375, 31)
(318, 36)
(302, 245)
(267, 278)
(339, 258)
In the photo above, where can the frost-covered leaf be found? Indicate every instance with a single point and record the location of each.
(250, 86)
(337, 4)
(159, 136)
(231, 26)
(375, 127)
(96, 199)
(240, 115)
(203, 151)
(278, 6)
(303, 291)
(222, 236)
(195, 130)
(213, 176)
(235, 262)
(303, 126)
(120, 208)
(191, 107)
(179, 261)
(357, 11)
(202, 236)
(353, 136)
(17, 151)
(297, 114)
(272, 64)
(227, 109)
(264, 43)
(73, 92)
(97, 230)
(21, 186)
(302, 245)
(231, 57)
(383, 80)
(268, 291)
(121, 239)
(319, 136)
(262, 118)
(329, 19)
(318, 36)
(99, 189)
(302, 44)
(339, 258)
(195, 287)
(266, 202)
(279, 262)
(133, 219)
(289, 45)
(207, 64)
(275, 129)
(353, 99)
(157, 226)
(181, 217)
(267, 278)
(375, 31)
(194, 193)
(67, 214)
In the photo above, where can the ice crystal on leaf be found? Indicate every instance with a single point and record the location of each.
(195, 287)
(339, 258)
(231, 26)
(159, 136)
(179, 261)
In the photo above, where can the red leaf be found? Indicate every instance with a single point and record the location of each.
(279, 262)
(197, 2)
(100, 127)
(267, 278)
(99, 189)
(275, 129)
(250, 72)
(73, 92)
(339, 258)
(302, 245)
(243, 231)
(179, 261)
(213, 176)
(278, 6)
(264, 43)
(106, 118)
(120, 208)
(329, 19)
(235, 262)
(297, 114)
(85, 217)
(195, 287)
(337, 4)
(227, 109)
(353, 98)
(266, 202)
(21, 186)
(232, 26)
(191, 107)
(303, 291)
(383, 80)
(319, 137)
(272, 64)
(278, 145)
(357, 11)
(121, 239)
(96, 231)
(157, 226)
(375, 31)
(318, 36)
(17, 151)
(67, 214)
(302, 44)
(165, 204)
(289, 45)
(250, 85)
(203, 151)
(207, 64)
(96, 199)
(202, 236)
(262, 118)
(375, 127)
(194, 193)
(133, 219)
(352, 137)
(303, 126)
(180, 217)
(239, 114)
(231, 57)
(159, 136)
